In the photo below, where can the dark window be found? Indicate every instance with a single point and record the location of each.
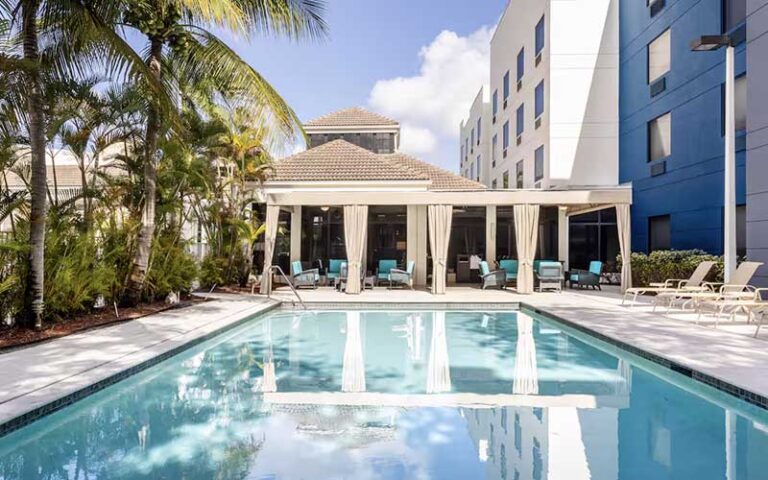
(520, 119)
(593, 236)
(505, 135)
(495, 102)
(520, 64)
(660, 137)
(505, 180)
(539, 97)
(734, 13)
(493, 184)
(505, 85)
(479, 123)
(741, 230)
(659, 233)
(540, 36)
(519, 170)
(538, 166)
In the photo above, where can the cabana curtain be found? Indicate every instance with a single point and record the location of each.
(273, 214)
(625, 245)
(526, 232)
(355, 227)
(439, 218)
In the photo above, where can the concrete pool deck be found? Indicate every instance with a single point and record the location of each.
(36, 377)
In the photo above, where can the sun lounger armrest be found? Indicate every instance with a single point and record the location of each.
(731, 288)
(713, 286)
(398, 271)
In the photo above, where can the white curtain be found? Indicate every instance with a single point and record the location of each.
(270, 234)
(438, 368)
(440, 217)
(623, 223)
(526, 369)
(353, 367)
(526, 233)
(355, 226)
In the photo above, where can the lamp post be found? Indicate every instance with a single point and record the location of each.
(708, 43)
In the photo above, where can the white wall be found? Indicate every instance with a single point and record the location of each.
(481, 108)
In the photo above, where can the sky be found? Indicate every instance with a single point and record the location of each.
(420, 62)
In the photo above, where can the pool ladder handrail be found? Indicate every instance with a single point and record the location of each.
(290, 284)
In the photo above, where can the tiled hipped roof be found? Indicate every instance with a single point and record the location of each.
(340, 160)
(355, 116)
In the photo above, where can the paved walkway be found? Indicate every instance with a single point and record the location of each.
(38, 375)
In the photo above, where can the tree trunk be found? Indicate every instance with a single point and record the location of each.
(33, 298)
(147, 222)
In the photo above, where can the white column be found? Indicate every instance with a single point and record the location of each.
(563, 241)
(417, 242)
(624, 224)
(270, 234)
(729, 210)
(490, 235)
(296, 234)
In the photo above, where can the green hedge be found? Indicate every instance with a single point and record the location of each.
(664, 264)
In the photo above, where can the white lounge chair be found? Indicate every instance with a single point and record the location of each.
(694, 283)
(730, 305)
(737, 288)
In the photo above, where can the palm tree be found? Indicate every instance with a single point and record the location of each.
(187, 57)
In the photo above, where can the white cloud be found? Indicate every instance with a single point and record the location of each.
(416, 140)
(433, 103)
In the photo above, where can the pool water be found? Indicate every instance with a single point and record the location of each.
(396, 395)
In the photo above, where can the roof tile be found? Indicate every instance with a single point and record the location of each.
(354, 116)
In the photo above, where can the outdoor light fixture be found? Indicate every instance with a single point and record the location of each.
(325, 209)
(708, 43)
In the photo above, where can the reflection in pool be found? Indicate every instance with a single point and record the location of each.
(395, 395)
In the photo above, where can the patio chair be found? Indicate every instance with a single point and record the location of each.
(382, 273)
(732, 305)
(366, 282)
(304, 278)
(587, 278)
(496, 278)
(510, 268)
(402, 277)
(737, 288)
(334, 270)
(550, 275)
(693, 283)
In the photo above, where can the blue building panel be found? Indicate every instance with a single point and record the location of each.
(688, 184)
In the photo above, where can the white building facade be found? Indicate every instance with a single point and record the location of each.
(475, 150)
(553, 116)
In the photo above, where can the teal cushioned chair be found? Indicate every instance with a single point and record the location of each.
(382, 273)
(334, 269)
(510, 267)
(588, 278)
(304, 278)
(496, 278)
(402, 277)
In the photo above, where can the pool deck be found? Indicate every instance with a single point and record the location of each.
(36, 376)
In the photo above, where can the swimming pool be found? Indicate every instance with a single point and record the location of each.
(397, 395)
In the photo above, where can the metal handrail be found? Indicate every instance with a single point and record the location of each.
(290, 284)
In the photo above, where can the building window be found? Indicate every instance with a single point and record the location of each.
(538, 165)
(660, 137)
(505, 85)
(505, 135)
(519, 170)
(472, 170)
(472, 138)
(493, 184)
(466, 146)
(659, 233)
(521, 64)
(520, 119)
(461, 160)
(495, 102)
(479, 122)
(741, 230)
(659, 56)
(740, 104)
(505, 180)
(478, 168)
(539, 100)
(540, 35)
(734, 14)
(494, 144)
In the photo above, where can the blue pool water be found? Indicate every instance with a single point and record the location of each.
(396, 395)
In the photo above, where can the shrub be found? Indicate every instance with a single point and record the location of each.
(661, 265)
(171, 268)
(212, 271)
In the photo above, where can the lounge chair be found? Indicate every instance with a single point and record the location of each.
(496, 278)
(587, 278)
(382, 273)
(550, 275)
(334, 270)
(694, 283)
(510, 267)
(366, 282)
(304, 278)
(737, 288)
(732, 305)
(402, 277)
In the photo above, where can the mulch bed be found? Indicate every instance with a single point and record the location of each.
(13, 337)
